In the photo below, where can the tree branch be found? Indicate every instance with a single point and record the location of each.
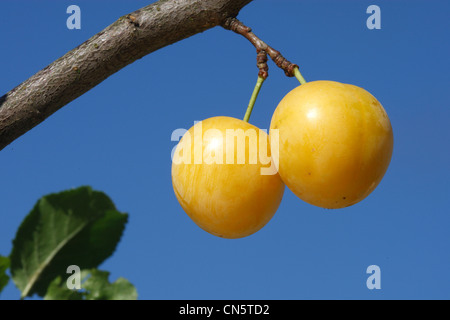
(128, 39)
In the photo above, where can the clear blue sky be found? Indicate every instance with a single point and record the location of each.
(116, 138)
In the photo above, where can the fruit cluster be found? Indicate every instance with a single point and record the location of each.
(329, 142)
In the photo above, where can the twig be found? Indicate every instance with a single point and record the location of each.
(237, 26)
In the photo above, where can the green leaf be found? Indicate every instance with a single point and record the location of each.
(4, 265)
(76, 227)
(99, 288)
(95, 286)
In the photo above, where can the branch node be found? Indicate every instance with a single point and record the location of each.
(235, 25)
(133, 20)
(261, 63)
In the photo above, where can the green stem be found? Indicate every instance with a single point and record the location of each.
(299, 76)
(253, 98)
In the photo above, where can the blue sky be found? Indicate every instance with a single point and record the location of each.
(116, 138)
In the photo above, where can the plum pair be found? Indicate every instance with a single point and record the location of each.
(330, 143)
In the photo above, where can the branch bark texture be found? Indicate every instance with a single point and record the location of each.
(128, 39)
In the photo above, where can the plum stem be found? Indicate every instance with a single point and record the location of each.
(255, 93)
(299, 76)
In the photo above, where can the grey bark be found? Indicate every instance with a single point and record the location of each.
(128, 39)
